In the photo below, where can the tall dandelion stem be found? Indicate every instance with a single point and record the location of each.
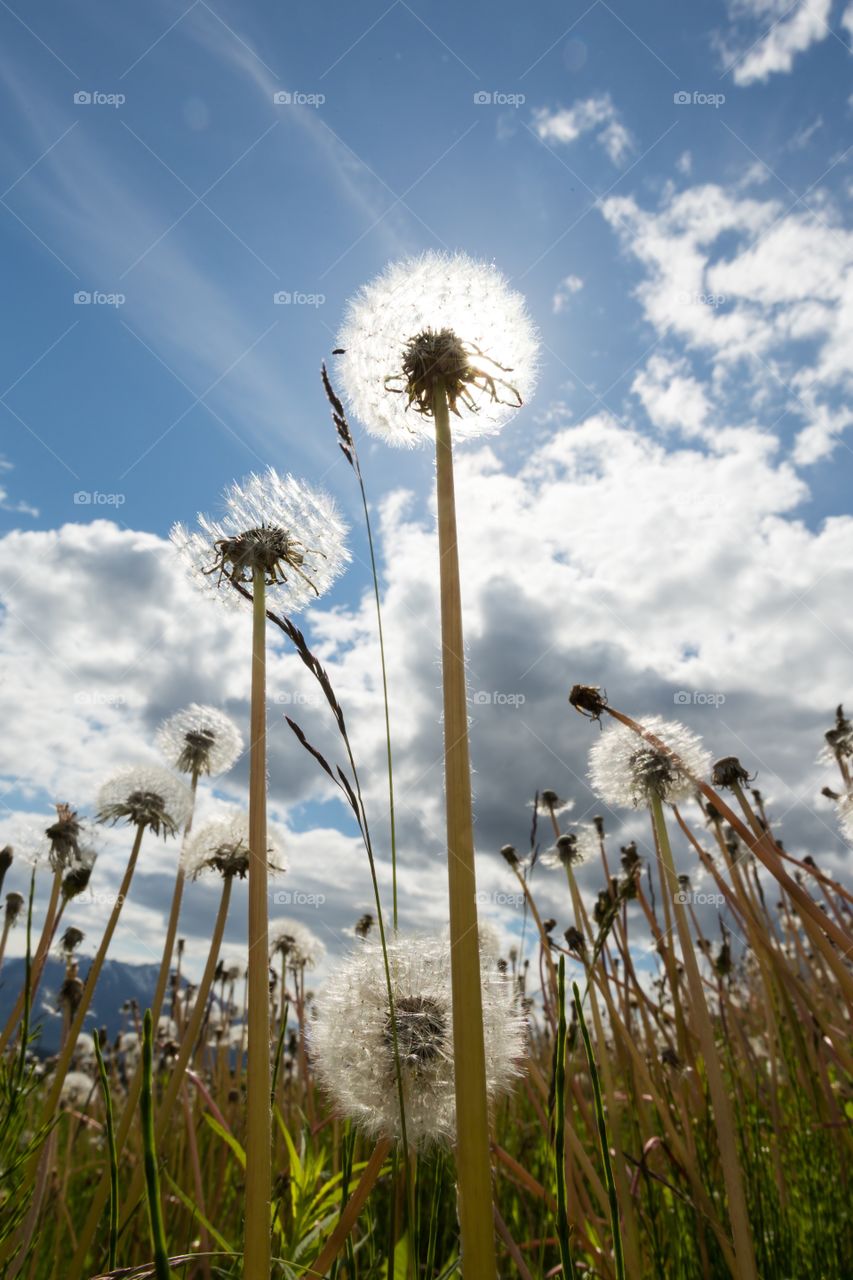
(720, 1101)
(256, 1255)
(472, 1153)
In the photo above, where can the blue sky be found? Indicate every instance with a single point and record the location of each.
(198, 198)
(669, 186)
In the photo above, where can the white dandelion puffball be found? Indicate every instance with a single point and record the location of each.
(223, 846)
(845, 815)
(28, 839)
(301, 948)
(77, 1089)
(352, 1043)
(276, 523)
(437, 291)
(200, 739)
(625, 769)
(147, 796)
(575, 847)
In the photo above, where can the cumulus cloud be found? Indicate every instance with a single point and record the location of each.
(596, 115)
(786, 30)
(763, 291)
(680, 579)
(565, 291)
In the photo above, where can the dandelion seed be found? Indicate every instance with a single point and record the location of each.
(573, 848)
(276, 524)
(146, 797)
(437, 316)
(295, 942)
(625, 769)
(352, 1046)
(223, 846)
(199, 740)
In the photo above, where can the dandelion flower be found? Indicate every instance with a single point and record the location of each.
(223, 846)
(199, 740)
(352, 1041)
(77, 1089)
(274, 523)
(573, 848)
(625, 769)
(301, 948)
(147, 797)
(438, 314)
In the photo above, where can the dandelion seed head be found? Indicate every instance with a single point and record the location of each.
(300, 947)
(200, 740)
(146, 796)
(273, 522)
(223, 846)
(625, 769)
(437, 312)
(352, 1038)
(77, 1088)
(573, 848)
(845, 815)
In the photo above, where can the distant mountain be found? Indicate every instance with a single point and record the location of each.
(118, 982)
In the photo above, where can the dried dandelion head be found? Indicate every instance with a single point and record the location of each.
(146, 797)
(352, 1039)
(625, 769)
(296, 944)
(14, 906)
(77, 1089)
(223, 846)
(199, 740)
(573, 848)
(272, 523)
(439, 318)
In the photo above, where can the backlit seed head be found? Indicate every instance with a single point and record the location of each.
(352, 1037)
(439, 317)
(199, 740)
(627, 769)
(272, 523)
(223, 846)
(146, 797)
(573, 848)
(296, 944)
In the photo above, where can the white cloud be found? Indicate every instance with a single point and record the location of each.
(763, 291)
(604, 558)
(596, 115)
(785, 30)
(566, 289)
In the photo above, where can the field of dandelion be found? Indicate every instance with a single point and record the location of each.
(633, 1096)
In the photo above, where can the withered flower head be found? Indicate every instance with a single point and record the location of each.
(14, 906)
(71, 939)
(575, 940)
(729, 772)
(64, 836)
